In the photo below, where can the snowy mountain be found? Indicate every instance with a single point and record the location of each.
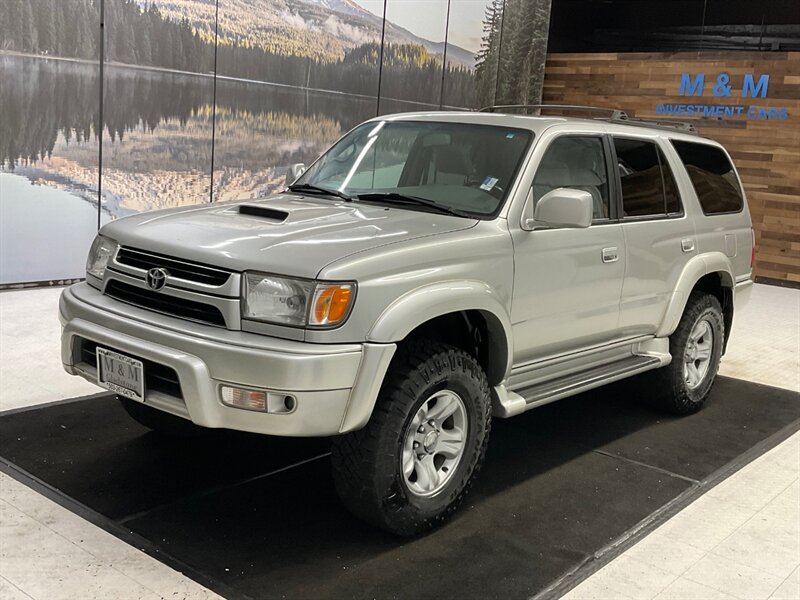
(341, 6)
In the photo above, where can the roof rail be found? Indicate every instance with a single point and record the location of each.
(658, 124)
(614, 114)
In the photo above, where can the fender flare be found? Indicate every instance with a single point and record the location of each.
(698, 267)
(422, 304)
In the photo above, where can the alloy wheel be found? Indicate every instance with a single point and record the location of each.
(697, 356)
(434, 443)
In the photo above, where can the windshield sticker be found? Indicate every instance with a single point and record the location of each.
(489, 183)
(510, 136)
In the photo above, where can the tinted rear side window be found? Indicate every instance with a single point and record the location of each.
(646, 189)
(671, 196)
(712, 176)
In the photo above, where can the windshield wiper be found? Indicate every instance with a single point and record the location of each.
(397, 198)
(309, 188)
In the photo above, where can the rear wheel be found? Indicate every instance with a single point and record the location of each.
(159, 421)
(696, 347)
(410, 467)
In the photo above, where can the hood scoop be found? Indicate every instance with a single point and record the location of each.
(257, 210)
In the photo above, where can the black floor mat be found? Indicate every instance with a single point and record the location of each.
(559, 483)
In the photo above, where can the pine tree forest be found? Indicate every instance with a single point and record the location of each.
(510, 62)
(141, 35)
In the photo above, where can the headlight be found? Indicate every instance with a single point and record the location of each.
(100, 253)
(295, 302)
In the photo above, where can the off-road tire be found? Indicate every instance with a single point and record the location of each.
(367, 463)
(158, 421)
(667, 387)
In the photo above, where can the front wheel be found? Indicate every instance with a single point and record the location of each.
(412, 464)
(696, 346)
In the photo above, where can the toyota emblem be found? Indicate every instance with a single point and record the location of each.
(156, 278)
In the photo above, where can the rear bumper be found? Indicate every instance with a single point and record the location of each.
(335, 386)
(741, 293)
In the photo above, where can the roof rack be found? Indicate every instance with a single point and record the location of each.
(613, 115)
(658, 124)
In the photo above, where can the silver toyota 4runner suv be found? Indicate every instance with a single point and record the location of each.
(429, 272)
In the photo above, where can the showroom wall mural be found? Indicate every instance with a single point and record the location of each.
(49, 125)
(210, 100)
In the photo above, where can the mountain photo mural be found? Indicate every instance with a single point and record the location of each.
(211, 100)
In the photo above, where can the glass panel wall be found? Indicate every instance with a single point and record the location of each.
(473, 28)
(413, 54)
(291, 79)
(158, 105)
(49, 121)
(207, 100)
(522, 51)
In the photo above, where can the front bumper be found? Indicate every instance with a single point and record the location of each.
(335, 385)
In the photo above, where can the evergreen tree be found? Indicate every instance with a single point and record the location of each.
(69, 31)
(13, 33)
(538, 51)
(144, 45)
(5, 23)
(61, 13)
(486, 69)
(138, 33)
(28, 27)
(45, 20)
(518, 54)
(524, 47)
(131, 50)
(84, 40)
(177, 59)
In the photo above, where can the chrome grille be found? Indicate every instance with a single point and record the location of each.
(162, 303)
(179, 268)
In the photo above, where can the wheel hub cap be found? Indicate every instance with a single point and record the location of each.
(433, 443)
(430, 441)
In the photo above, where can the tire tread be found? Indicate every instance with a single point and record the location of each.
(665, 386)
(359, 456)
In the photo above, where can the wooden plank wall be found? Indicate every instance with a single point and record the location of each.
(766, 153)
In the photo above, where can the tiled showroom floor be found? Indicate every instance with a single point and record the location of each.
(740, 540)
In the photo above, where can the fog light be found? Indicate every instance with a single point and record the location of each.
(260, 400)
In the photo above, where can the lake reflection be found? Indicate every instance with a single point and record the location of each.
(158, 130)
(157, 146)
(45, 232)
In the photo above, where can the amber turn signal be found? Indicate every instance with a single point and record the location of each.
(331, 303)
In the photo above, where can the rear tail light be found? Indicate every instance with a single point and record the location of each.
(753, 251)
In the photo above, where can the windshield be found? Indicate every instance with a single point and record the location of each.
(463, 167)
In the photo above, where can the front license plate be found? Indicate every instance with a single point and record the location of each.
(121, 374)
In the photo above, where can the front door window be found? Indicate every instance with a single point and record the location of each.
(576, 162)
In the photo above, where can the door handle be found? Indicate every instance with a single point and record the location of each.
(687, 244)
(610, 255)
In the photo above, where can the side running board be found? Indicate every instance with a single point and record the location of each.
(508, 403)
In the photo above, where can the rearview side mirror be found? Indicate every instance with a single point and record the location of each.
(293, 172)
(564, 207)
